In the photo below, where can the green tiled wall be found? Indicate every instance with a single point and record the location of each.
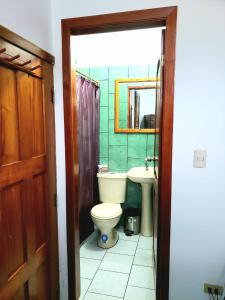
(118, 150)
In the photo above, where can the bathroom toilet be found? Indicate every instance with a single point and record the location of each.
(112, 192)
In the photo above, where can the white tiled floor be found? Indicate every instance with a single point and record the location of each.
(123, 272)
(142, 258)
(124, 247)
(117, 263)
(89, 267)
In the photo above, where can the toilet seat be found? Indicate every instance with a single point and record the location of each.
(106, 211)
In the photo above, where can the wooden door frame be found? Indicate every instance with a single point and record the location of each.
(107, 23)
(47, 76)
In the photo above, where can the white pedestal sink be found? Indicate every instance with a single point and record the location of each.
(146, 179)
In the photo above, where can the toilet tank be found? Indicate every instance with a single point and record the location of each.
(112, 187)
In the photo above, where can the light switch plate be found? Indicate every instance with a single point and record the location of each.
(200, 158)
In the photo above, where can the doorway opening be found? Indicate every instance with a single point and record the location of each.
(115, 132)
(156, 18)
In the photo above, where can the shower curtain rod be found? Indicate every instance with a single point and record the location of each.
(88, 78)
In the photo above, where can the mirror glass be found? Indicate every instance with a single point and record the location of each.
(135, 105)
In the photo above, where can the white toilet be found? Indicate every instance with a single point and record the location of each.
(112, 191)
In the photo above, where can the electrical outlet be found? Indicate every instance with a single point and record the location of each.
(214, 288)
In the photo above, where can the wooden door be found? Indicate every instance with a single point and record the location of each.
(157, 149)
(28, 260)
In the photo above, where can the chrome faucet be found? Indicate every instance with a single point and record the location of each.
(148, 159)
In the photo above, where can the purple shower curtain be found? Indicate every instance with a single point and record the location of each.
(88, 128)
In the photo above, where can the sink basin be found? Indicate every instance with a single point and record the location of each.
(146, 179)
(141, 175)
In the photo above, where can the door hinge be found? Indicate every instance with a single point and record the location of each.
(55, 200)
(52, 95)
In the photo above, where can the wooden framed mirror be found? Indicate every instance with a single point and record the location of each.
(135, 105)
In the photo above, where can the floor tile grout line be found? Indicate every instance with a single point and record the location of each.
(109, 251)
(90, 283)
(90, 258)
(143, 266)
(94, 275)
(131, 269)
(81, 277)
(114, 271)
(87, 288)
(145, 249)
(105, 295)
(141, 287)
(135, 264)
(121, 253)
(127, 241)
(99, 268)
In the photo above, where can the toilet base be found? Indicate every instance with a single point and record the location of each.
(112, 239)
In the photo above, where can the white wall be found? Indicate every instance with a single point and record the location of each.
(105, 50)
(30, 19)
(198, 205)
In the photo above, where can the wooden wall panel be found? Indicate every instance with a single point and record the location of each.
(25, 108)
(22, 294)
(38, 117)
(29, 213)
(9, 142)
(40, 210)
(39, 284)
(43, 283)
(3, 245)
(13, 223)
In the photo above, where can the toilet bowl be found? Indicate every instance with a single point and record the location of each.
(106, 216)
(112, 191)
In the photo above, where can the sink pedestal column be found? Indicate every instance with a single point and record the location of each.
(146, 211)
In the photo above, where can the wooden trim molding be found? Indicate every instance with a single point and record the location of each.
(117, 104)
(71, 148)
(107, 23)
(165, 171)
(118, 21)
(26, 45)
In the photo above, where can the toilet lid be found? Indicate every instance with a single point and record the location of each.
(106, 211)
